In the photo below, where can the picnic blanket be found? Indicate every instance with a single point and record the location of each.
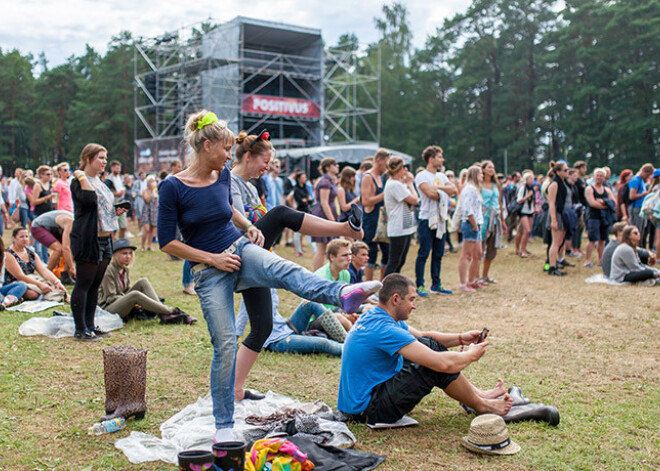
(194, 427)
(62, 326)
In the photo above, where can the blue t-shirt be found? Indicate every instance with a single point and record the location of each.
(370, 358)
(202, 214)
(638, 184)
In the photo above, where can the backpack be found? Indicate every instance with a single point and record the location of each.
(512, 205)
(649, 203)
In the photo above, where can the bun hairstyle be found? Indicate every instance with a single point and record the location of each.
(194, 138)
(394, 165)
(89, 153)
(555, 167)
(325, 163)
(246, 143)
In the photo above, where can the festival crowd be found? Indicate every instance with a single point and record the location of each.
(230, 209)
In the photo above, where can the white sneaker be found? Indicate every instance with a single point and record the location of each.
(129, 235)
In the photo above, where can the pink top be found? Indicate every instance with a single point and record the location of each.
(28, 192)
(64, 202)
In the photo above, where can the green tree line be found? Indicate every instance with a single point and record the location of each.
(532, 80)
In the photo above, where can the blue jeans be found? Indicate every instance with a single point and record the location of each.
(17, 288)
(304, 314)
(187, 277)
(215, 289)
(42, 251)
(429, 244)
(305, 344)
(25, 216)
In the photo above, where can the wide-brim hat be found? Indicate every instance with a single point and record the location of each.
(120, 244)
(488, 435)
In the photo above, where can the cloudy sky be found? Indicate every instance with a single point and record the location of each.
(63, 27)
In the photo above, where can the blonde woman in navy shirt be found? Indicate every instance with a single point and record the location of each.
(224, 250)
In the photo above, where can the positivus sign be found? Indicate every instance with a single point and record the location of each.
(279, 106)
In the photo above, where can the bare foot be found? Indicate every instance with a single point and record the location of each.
(497, 391)
(495, 406)
(239, 394)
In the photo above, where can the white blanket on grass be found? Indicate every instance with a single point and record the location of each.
(194, 427)
(62, 326)
(34, 306)
(600, 278)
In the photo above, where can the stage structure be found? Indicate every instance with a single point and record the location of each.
(253, 74)
(352, 96)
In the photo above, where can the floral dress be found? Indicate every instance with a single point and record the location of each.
(150, 213)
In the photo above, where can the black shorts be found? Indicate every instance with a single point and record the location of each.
(597, 230)
(400, 394)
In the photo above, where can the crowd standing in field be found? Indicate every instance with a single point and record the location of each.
(229, 210)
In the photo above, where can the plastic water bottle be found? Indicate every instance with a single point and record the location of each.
(107, 426)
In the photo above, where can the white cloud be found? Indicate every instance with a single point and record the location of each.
(62, 28)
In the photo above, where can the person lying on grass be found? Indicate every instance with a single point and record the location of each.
(287, 337)
(388, 367)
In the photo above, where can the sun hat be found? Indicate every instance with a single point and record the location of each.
(488, 435)
(120, 244)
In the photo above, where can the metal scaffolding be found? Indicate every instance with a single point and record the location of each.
(252, 74)
(352, 95)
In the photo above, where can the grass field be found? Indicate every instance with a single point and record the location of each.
(590, 350)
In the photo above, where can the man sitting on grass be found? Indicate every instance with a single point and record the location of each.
(359, 260)
(339, 256)
(388, 367)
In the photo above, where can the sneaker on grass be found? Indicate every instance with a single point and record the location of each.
(440, 290)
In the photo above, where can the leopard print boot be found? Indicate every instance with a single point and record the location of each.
(125, 382)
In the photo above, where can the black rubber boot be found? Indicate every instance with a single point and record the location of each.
(533, 411)
(517, 395)
(125, 382)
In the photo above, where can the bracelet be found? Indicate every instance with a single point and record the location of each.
(460, 340)
(249, 225)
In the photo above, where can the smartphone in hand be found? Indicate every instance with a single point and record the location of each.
(123, 204)
(483, 335)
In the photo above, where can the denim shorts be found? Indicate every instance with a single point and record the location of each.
(469, 234)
